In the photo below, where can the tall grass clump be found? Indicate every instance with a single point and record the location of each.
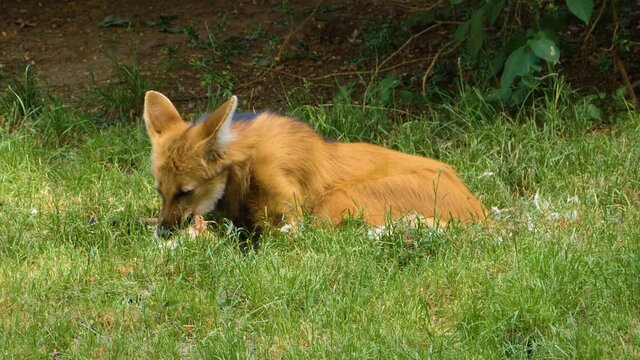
(22, 98)
(26, 104)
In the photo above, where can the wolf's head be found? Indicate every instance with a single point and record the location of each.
(188, 160)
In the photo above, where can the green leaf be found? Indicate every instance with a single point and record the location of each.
(581, 8)
(519, 96)
(492, 9)
(406, 95)
(461, 32)
(594, 112)
(620, 94)
(545, 48)
(497, 63)
(114, 21)
(456, 2)
(385, 89)
(520, 62)
(476, 32)
(529, 81)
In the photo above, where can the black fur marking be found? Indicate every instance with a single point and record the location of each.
(250, 116)
(245, 116)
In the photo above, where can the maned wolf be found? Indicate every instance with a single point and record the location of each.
(275, 169)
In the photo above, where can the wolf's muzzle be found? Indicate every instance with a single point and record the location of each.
(165, 229)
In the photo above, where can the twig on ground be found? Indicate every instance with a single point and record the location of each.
(338, 74)
(277, 58)
(369, 107)
(433, 63)
(617, 61)
(595, 22)
(409, 40)
(418, 7)
(619, 64)
(290, 34)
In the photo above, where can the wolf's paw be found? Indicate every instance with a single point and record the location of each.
(377, 232)
(169, 244)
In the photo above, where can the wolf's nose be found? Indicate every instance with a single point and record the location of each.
(164, 230)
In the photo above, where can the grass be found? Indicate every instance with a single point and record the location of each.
(556, 274)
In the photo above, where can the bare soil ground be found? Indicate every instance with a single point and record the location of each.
(266, 48)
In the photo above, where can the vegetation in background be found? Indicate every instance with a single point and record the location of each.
(27, 105)
(121, 99)
(23, 98)
(521, 43)
(513, 51)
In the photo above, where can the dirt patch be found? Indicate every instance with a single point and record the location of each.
(73, 44)
(260, 50)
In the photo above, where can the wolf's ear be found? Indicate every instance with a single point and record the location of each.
(216, 128)
(159, 114)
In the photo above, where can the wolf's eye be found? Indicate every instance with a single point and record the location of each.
(182, 194)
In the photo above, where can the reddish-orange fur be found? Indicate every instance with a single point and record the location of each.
(276, 169)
